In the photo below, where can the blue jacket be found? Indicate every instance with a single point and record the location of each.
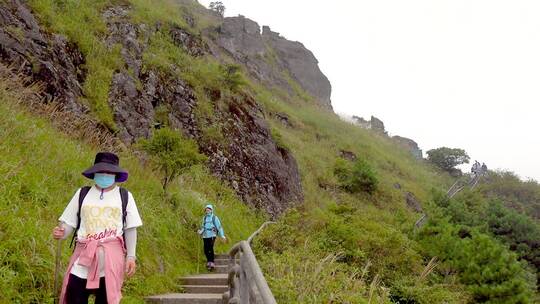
(211, 224)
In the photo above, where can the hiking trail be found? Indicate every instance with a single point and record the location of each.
(237, 278)
(206, 288)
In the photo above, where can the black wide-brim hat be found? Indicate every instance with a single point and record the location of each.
(107, 162)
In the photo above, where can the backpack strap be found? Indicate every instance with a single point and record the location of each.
(82, 195)
(124, 195)
(214, 223)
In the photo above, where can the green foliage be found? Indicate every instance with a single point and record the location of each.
(82, 23)
(278, 139)
(491, 273)
(297, 89)
(448, 158)
(233, 79)
(356, 177)
(171, 153)
(218, 7)
(520, 233)
(298, 270)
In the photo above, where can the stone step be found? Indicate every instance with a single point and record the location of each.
(221, 269)
(221, 261)
(205, 288)
(221, 256)
(206, 279)
(185, 298)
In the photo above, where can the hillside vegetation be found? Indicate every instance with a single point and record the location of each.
(351, 240)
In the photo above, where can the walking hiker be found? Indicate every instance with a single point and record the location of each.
(104, 219)
(484, 168)
(210, 229)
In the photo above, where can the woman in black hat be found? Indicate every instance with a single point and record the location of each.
(104, 219)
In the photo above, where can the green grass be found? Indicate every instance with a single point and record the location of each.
(40, 171)
(82, 24)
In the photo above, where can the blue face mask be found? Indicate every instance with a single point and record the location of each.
(104, 180)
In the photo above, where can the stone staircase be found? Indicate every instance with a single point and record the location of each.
(205, 288)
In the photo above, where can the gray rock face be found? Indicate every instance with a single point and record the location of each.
(48, 59)
(409, 145)
(271, 58)
(264, 175)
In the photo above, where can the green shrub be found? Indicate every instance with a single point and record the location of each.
(357, 177)
(171, 153)
(490, 272)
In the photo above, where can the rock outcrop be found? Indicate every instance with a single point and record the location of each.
(46, 58)
(377, 126)
(409, 145)
(412, 202)
(263, 174)
(374, 124)
(272, 59)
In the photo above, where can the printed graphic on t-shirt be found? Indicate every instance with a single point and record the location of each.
(101, 214)
(101, 221)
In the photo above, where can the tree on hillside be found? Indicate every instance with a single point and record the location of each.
(218, 7)
(171, 153)
(448, 158)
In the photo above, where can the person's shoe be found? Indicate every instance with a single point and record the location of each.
(212, 265)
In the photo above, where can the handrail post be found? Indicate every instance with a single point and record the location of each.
(246, 281)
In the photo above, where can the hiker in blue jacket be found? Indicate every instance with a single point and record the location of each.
(210, 229)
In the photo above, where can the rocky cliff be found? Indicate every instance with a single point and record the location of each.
(263, 174)
(272, 59)
(377, 126)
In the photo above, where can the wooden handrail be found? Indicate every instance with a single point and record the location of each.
(254, 234)
(246, 281)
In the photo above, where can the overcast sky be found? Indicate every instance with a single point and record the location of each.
(456, 73)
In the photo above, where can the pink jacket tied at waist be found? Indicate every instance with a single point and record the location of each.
(114, 258)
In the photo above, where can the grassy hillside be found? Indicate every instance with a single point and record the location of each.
(41, 170)
(339, 246)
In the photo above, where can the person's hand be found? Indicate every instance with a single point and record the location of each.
(224, 239)
(58, 232)
(131, 265)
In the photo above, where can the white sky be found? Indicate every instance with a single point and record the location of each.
(456, 73)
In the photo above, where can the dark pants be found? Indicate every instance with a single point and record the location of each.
(76, 292)
(209, 248)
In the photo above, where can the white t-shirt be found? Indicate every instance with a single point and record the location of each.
(100, 219)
